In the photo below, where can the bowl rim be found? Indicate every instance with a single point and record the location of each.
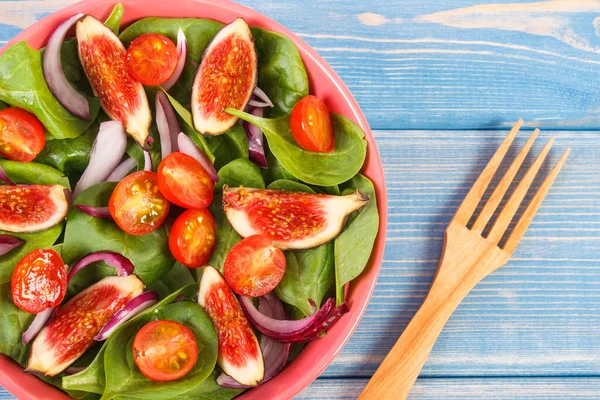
(286, 384)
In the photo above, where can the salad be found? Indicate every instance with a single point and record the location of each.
(179, 216)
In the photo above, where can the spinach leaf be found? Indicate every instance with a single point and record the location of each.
(178, 277)
(22, 84)
(3, 105)
(135, 151)
(354, 245)
(85, 234)
(90, 379)
(209, 389)
(124, 378)
(275, 171)
(332, 190)
(114, 19)
(281, 72)
(70, 156)
(292, 186)
(323, 169)
(240, 172)
(14, 321)
(229, 146)
(29, 173)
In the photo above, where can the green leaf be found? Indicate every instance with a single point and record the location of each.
(323, 169)
(281, 72)
(91, 379)
(240, 172)
(114, 19)
(275, 171)
(209, 389)
(30, 173)
(22, 84)
(354, 245)
(13, 321)
(292, 186)
(229, 146)
(124, 378)
(135, 151)
(85, 234)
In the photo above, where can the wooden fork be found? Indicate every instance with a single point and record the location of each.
(467, 258)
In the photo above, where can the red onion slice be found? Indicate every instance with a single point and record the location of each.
(73, 370)
(37, 324)
(96, 212)
(168, 127)
(147, 161)
(121, 263)
(9, 242)
(275, 354)
(182, 50)
(76, 103)
(131, 309)
(122, 170)
(107, 152)
(263, 99)
(256, 149)
(187, 146)
(5, 179)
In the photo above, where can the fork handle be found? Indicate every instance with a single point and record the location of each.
(399, 370)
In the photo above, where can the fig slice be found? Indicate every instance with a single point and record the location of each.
(239, 352)
(32, 208)
(294, 220)
(71, 330)
(102, 56)
(226, 78)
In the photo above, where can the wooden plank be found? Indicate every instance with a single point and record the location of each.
(450, 64)
(538, 315)
(468, 389)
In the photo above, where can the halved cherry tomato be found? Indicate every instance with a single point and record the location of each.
(21, 135)
(192, 238)
(165, 350)
(39, 281)
(136, 204)
(151, 59)
(311, 125)
(254, 266)
(184, 181)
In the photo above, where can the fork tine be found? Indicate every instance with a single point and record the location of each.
(498, 194)
(523, 223)
(471, 200)
(513, 203)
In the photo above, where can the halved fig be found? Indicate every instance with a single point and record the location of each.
(239, 352)
(102, 56)
(294, 220)
(71, 330)
(226, 78)
(32, 208)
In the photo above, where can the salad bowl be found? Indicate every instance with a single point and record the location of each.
(325, 84)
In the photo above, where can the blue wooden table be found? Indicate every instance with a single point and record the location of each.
(437, 80)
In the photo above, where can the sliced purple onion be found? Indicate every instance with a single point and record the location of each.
(5, 179)
(168, 127)
(131, 309)
(107, 152)
(275, 354)
(147, 161)
(122, 170)
(96, 212)
(182, 50)
(76, 103)
(263, 99)
(301, 330)
(187, 146)
(9, 242)
(256, 149)
(73, 370)
(121, 263)
(37, 324)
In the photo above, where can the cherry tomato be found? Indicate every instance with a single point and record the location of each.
(254, 266)
(151, 59)
(39, 281)
(136, 204)
(192, 238)
(21, 135)
(311, 125)
(184, 181)
(165, 350)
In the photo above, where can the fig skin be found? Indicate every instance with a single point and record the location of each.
(294, 220)
(217, 123)
(121, 96)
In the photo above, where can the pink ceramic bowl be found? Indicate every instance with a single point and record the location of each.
(325, 83)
